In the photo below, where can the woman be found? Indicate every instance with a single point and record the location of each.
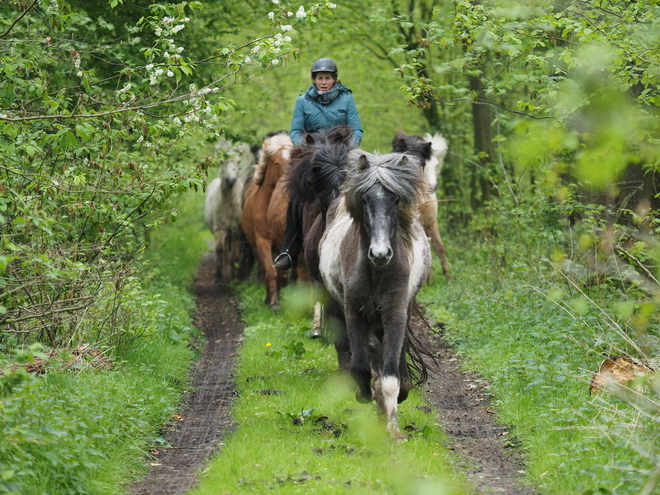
(325, 104)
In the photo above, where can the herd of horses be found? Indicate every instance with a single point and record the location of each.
(368, 221)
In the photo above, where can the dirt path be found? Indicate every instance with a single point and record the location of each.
(487, 451)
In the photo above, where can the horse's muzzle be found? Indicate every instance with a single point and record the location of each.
(380, 257)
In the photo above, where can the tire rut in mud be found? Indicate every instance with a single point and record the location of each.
(205, 416)
(486, 451)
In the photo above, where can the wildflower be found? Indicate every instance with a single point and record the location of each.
(268, 344)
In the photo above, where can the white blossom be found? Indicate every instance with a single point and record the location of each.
(159, 72)
(301, 13)
(276, 2)
(275, 61)
(80, 73)
(286, 27)
(271, 15)
(178, 28)
(248, 60)
(140, 139)
(176, 120)
(170, 73)
(149, 67)
(287, 39)
(158, 31)
(289, 13)
(166, 55)
(255, 50)
(179, 50)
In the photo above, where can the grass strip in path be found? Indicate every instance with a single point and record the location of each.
(300, 429)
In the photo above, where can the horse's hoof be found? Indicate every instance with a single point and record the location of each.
(363, 398)
(275, 307)
(316, 333)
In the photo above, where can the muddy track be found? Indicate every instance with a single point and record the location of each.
(487, 451)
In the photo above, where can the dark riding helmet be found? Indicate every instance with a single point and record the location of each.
(324, 65)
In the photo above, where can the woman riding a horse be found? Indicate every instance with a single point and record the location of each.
(325, 104)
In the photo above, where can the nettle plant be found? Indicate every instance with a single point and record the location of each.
(98, 130)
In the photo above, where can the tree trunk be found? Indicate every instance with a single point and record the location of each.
(483, 143)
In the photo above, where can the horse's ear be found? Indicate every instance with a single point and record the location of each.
(309, 139)
(398, 143)
(427, 150)
(363, 163)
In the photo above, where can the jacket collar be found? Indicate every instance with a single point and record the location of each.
(328, 96)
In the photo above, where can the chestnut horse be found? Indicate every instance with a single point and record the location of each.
(374, 258)
(431, 151)
(273, 163)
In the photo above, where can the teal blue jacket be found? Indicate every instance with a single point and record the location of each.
(313, 112)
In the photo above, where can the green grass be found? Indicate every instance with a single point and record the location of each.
(539, 356)
(300, 429)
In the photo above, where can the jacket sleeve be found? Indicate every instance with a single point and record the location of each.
(353, 120)
(297, 131)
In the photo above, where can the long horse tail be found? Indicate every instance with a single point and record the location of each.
(418, 355)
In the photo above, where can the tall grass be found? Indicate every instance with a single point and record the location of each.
(538, 336)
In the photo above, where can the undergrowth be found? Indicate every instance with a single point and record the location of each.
(299, 427)
(537, 334)
(80, 429)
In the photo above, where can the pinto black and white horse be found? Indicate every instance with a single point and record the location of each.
(374, 258)
(431, 150)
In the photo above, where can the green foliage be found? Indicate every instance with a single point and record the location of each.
(536, 328)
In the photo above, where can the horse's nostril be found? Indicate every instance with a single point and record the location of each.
(230, 183)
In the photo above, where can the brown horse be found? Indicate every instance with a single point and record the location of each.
(273, 163)
(431, 151)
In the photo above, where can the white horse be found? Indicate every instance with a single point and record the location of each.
(224, 208)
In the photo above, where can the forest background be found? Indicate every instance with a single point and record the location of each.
(110, 111)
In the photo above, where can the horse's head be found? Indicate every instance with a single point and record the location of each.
(236, 162)
(382, 195)
(434, 165)
(274, 159)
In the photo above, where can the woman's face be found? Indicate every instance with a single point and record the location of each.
(324, 81)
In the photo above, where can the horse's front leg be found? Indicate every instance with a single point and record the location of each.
(270, 273)
(429, 217)
(220, 246)
(394, 332)
(358, 337)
